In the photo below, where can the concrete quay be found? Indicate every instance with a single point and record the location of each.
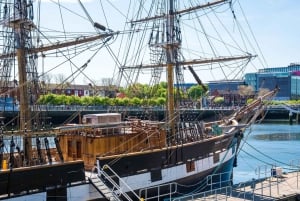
(280, 188)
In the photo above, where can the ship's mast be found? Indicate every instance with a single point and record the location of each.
(21, 37)
(22, 25)
(18, 19)
(173, 65)
(170, 48)
(171, 43)
(18, 25)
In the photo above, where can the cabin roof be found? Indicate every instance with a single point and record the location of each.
(102, 114)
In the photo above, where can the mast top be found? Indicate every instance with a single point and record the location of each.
(181, 12)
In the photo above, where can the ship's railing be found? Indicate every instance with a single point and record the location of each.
(115, 188)
(163, 190)
(265, 187)
(254, 104)
(220, 188)
(215, 194)
(219, 180)
(92, 108)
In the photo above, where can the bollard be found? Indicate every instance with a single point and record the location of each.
(4, 165)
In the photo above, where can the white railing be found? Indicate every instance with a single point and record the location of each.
(163, 190)
(115, 188)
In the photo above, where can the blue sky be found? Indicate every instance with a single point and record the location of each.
(274, 23)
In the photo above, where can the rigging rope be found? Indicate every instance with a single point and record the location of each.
(265, 155)
(252, 34)
(245, 142)
(64, 31)
(291, 110)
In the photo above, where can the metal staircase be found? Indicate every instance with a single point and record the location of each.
(108, 188)
(101, 187)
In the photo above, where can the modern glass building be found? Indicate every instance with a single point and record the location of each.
(251, 79)
(286, 78)
(295, 85)
(291, 68)
(231, 85)
(229, 89)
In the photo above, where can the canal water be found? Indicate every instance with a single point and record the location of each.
(266, 146)
(263, 147)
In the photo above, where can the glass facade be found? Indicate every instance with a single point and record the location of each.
(295, 87)
(275, 79)
(231, 85)
(292, 67)
(286, 78)
(229, 90)
(251, 79)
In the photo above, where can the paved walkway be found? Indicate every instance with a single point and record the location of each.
(272, 188)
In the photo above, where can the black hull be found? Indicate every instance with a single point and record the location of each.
(40, 178)
(126, 165)
(193, 184)
(217, 153)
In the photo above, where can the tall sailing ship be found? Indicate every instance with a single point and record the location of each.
(134, 158)
(31, 158)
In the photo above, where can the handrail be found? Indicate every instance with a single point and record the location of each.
(72, 117)
(217, 179)
(158, 187)
(117, 186)
(214, 192)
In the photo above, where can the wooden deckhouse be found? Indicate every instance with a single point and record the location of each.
(105, 134)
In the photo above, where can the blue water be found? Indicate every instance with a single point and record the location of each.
(265, 146)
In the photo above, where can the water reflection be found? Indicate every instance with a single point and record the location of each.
(278, 136)
(275, 132)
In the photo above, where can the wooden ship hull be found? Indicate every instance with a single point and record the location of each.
(137, 152)
(43, 171)
(186, 165)
(141, 158)
(50, 178)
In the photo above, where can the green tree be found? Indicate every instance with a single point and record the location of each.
(250, 100)
(195, 92)
(219, 100)
(86, 100)
(106, 101)
(126, 101)
(161, 101)
(153, 101)
(137, 90)
(159, 90)
(47, 99)
(73, 100)
(135, 101)
(98, 100)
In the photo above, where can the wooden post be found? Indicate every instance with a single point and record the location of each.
(79, 118)
(291, 118)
